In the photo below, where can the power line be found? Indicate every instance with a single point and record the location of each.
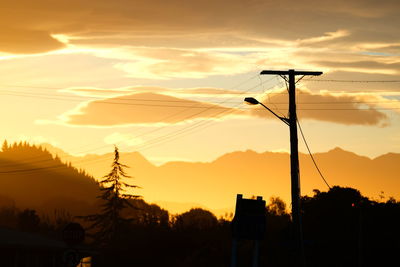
(118, 103)
(352, 81)
(171, 135)
(31, 86)
(311, 155)
(306, 79)
(349, 102)
(36, 169)
(191, 127)
(179, 112)
(342, 109)
(105, 101)
(205, 108)
(61, 88)
(102, 98)
(187, 130)
(191, 104)
(203, 123)
(157, 129)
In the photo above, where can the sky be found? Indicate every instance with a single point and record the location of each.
(168, 78)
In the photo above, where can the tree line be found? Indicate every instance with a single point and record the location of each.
(341, 228)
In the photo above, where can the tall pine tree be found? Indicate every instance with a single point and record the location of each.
(5, 146)
(109, 223)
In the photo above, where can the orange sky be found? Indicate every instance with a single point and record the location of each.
(168, 78)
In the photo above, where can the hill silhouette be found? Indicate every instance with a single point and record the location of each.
(215, 184)
(31, 177)
(342, 219)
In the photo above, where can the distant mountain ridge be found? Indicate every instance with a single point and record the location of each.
(31, 177)
(215, 184)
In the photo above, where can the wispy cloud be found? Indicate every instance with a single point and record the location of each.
(157, 106)
(343, 108)
(144, 108)
(152, 40)
(328, 36)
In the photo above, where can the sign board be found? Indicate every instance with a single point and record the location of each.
(250, 218)
(73, 234)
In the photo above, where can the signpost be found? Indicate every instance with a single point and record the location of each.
(73, 234)
(248, 223)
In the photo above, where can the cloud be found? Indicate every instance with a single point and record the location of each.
(391, 49)
(130, 23)
(363, 66)
(343, 108)
(144, 108)
(105, 93)
(156, 105)
(154, 40)
(169, 63)
(354, 87)
(26, 41)
(176, 92)
(328, 36)
(209, 92)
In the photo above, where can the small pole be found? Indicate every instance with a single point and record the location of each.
(239, 197)
(234, 253)
(360, 237)
(256, 253)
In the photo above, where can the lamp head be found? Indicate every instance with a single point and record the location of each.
(251, 100)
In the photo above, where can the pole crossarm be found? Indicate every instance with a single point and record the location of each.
(294, 72)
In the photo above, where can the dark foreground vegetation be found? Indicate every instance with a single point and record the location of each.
(341, 228)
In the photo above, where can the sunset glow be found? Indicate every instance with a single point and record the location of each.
(167, 79)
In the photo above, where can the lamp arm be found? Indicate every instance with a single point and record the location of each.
(285, 120)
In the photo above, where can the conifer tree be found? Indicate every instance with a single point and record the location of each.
(108, 223)
(5, 146)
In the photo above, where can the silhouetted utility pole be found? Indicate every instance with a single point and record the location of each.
(294, 155)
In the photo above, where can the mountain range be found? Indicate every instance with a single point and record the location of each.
(31, 177)
(178, 186)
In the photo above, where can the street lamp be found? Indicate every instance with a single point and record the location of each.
(253, 101)
(295, 183)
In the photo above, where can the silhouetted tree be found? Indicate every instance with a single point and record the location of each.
(8, 217)
(5, 146)
(28, 220)
(277, 225)
(196, 218)
(109, 223)
(148, 214)
(276, 206)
